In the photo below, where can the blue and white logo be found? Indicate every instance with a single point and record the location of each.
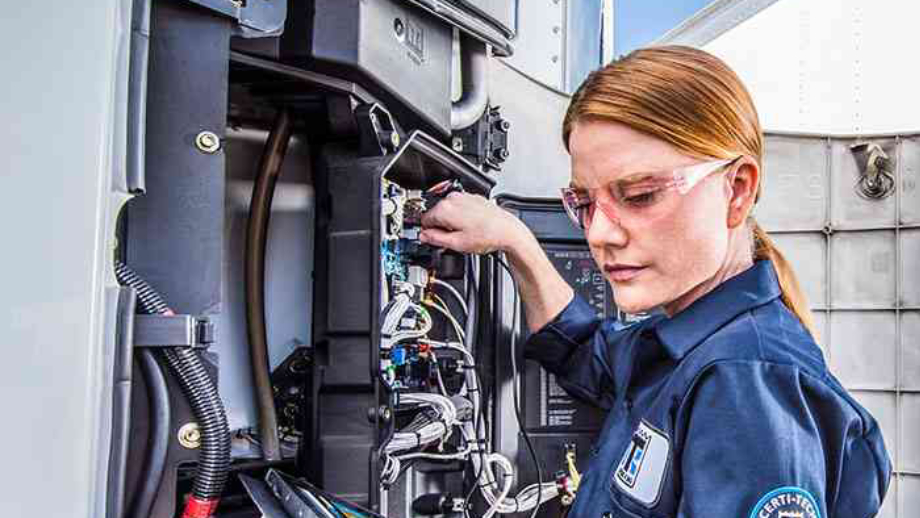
(787, 502)
(641, 470)
(632, 462)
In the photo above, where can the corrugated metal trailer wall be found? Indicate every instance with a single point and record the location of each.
(858, 261)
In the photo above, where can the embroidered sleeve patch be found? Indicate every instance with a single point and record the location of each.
(641, 470)
(787, 502)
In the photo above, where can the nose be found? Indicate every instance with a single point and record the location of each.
(605, 230)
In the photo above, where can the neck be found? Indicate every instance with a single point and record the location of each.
(738, 259)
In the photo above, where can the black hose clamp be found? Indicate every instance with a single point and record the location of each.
(173, 331)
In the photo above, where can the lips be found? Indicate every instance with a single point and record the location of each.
(621, 272)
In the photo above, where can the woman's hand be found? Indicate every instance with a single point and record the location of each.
(471, 224)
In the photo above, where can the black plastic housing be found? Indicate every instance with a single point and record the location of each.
(401, 53)
(347, 295)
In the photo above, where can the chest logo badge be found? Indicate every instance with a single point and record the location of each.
(641, 470)
(787, 502)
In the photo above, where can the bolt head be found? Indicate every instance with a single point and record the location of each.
(457, 144)
(207, 142)
(190, 436)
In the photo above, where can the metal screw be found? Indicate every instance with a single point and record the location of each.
(394, 139)
(556, 29)
(190, 436)
(457, 144)
(555, 59)
(207, 142)
(399, 28)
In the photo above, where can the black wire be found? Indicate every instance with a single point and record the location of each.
(479, 419)
(158, 442)
(516, 384)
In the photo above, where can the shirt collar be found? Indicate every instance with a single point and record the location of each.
(751, 288)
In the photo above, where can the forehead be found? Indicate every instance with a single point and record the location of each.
(603, 151)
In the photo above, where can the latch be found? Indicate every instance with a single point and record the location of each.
(172, 331)
(876, 175)
(377, 132)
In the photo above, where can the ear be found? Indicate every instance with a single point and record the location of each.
(744, 181)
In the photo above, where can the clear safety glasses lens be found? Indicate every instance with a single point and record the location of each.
(636, 195)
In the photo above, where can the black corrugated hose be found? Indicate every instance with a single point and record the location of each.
(214, 453)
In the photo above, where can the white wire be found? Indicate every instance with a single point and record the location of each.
(429, 432)
(394, 316)
(435, 456)
(454, 292)
(441, 309)
(437, 370)
(494, 489)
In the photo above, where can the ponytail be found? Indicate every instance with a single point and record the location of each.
(792, 295)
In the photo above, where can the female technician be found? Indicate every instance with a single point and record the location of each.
(724, 406)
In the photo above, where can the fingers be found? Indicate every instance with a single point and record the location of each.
(442, 238)
(449, 212)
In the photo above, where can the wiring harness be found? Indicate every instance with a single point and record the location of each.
(449, 422)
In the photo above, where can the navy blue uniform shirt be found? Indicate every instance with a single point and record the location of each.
(727, 409)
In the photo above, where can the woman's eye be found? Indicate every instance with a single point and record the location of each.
(642, 198)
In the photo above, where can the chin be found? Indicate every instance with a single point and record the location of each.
(630, 302)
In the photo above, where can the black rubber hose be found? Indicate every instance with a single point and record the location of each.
(472, 298)
(155, 458)
(214, 453)
(256, 238)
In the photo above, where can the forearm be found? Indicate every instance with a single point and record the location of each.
(543, 291)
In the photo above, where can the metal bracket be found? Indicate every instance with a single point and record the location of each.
(377, 132)
(172, 331)
(486, 141)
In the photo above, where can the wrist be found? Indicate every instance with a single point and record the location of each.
(519, 242)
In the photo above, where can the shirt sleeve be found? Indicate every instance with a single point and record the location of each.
(762, 441)
(573, 347)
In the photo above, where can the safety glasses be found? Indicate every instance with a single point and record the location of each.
(641, 195)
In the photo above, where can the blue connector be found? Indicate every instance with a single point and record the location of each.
(398, 355)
